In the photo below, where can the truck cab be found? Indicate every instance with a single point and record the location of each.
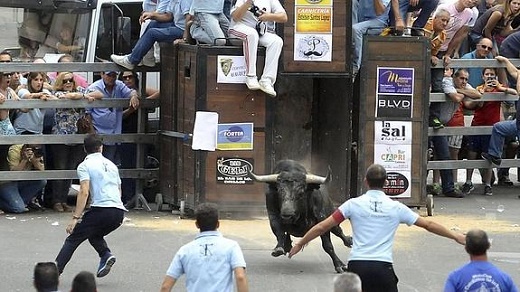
(89, 30)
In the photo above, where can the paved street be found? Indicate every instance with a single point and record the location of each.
(145, 245)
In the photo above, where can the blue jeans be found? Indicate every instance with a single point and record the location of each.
(209, 28)
(15, 195)
(152, 35)
(442, 152)
(426, 7)
(501, 130)
(95, 225)
(358, 30)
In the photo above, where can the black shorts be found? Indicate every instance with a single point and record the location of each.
(375, 276)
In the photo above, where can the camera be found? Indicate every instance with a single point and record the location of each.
(36, 150)
(491, 81)
(256, 10)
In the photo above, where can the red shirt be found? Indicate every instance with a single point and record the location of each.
(457, 120)
(489, 113)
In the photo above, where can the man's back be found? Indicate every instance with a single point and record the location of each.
(375, 218)
(479, 276)
(208, 262)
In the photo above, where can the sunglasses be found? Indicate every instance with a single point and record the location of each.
(128, 77)
(5, 61)
(8, 74)
(69, 80)
(486, 47)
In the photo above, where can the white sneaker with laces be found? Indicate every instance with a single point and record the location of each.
(252, 83)
(122, 61)
(267, 87)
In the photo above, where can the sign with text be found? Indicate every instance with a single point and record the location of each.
(234, 170)
(393, 157)
(394, 106)
(235, 136)
(393, 132)
(313, 19)
(231, 69)
(395, 80)
(398, 185)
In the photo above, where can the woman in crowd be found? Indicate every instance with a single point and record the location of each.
(31, 122)
(65, 156)
(6, 128)
(496, 23)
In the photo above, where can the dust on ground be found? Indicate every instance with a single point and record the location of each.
(259, 228)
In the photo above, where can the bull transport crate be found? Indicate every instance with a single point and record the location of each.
(394, 91)
(197, 176)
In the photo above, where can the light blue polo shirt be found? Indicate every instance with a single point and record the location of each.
(374, 218)
(179, 9)
(205, 6)
(208, 262)
(108, 120)
(104, 181)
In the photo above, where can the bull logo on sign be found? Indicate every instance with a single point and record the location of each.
(225, 65)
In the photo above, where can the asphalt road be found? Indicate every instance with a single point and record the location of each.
(146, 243)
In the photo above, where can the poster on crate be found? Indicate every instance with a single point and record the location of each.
(394, 106)
(234, 170)
(231, 69)
(393, 132)
(235, 136)
(399, 184)
(313, 47)
(393, 157)
(395, 80)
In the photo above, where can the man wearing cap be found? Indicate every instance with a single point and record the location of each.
(109, 120)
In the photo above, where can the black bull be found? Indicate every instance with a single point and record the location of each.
(295, 204)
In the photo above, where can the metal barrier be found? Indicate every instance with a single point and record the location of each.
(473, 130)
(140, 138)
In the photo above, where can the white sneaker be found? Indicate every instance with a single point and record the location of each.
(252, 83)
(267, 87)
(122, 61)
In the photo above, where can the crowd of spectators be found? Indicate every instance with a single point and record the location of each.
(26, 195)
(466, 29)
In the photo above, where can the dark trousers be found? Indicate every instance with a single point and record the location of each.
(95, 225)
(375, 276)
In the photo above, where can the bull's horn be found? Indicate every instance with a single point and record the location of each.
(268, 178)
(315, 179)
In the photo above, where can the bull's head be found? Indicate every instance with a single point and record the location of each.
(292, 191)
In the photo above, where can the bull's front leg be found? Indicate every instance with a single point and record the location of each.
(347, 239)
(326, 243)
(276, 227)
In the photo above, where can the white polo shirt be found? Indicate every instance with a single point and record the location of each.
(104, 181)
(374, 218)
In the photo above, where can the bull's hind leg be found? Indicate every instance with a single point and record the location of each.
(326, 243)
(347, 239)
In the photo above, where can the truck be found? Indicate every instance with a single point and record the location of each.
(89, 30)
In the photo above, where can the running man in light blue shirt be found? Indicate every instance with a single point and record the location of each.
(374, 218)
(98, 177)
(210, 261)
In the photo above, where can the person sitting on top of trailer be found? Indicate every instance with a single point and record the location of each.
(179, 11)
(254, 23)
